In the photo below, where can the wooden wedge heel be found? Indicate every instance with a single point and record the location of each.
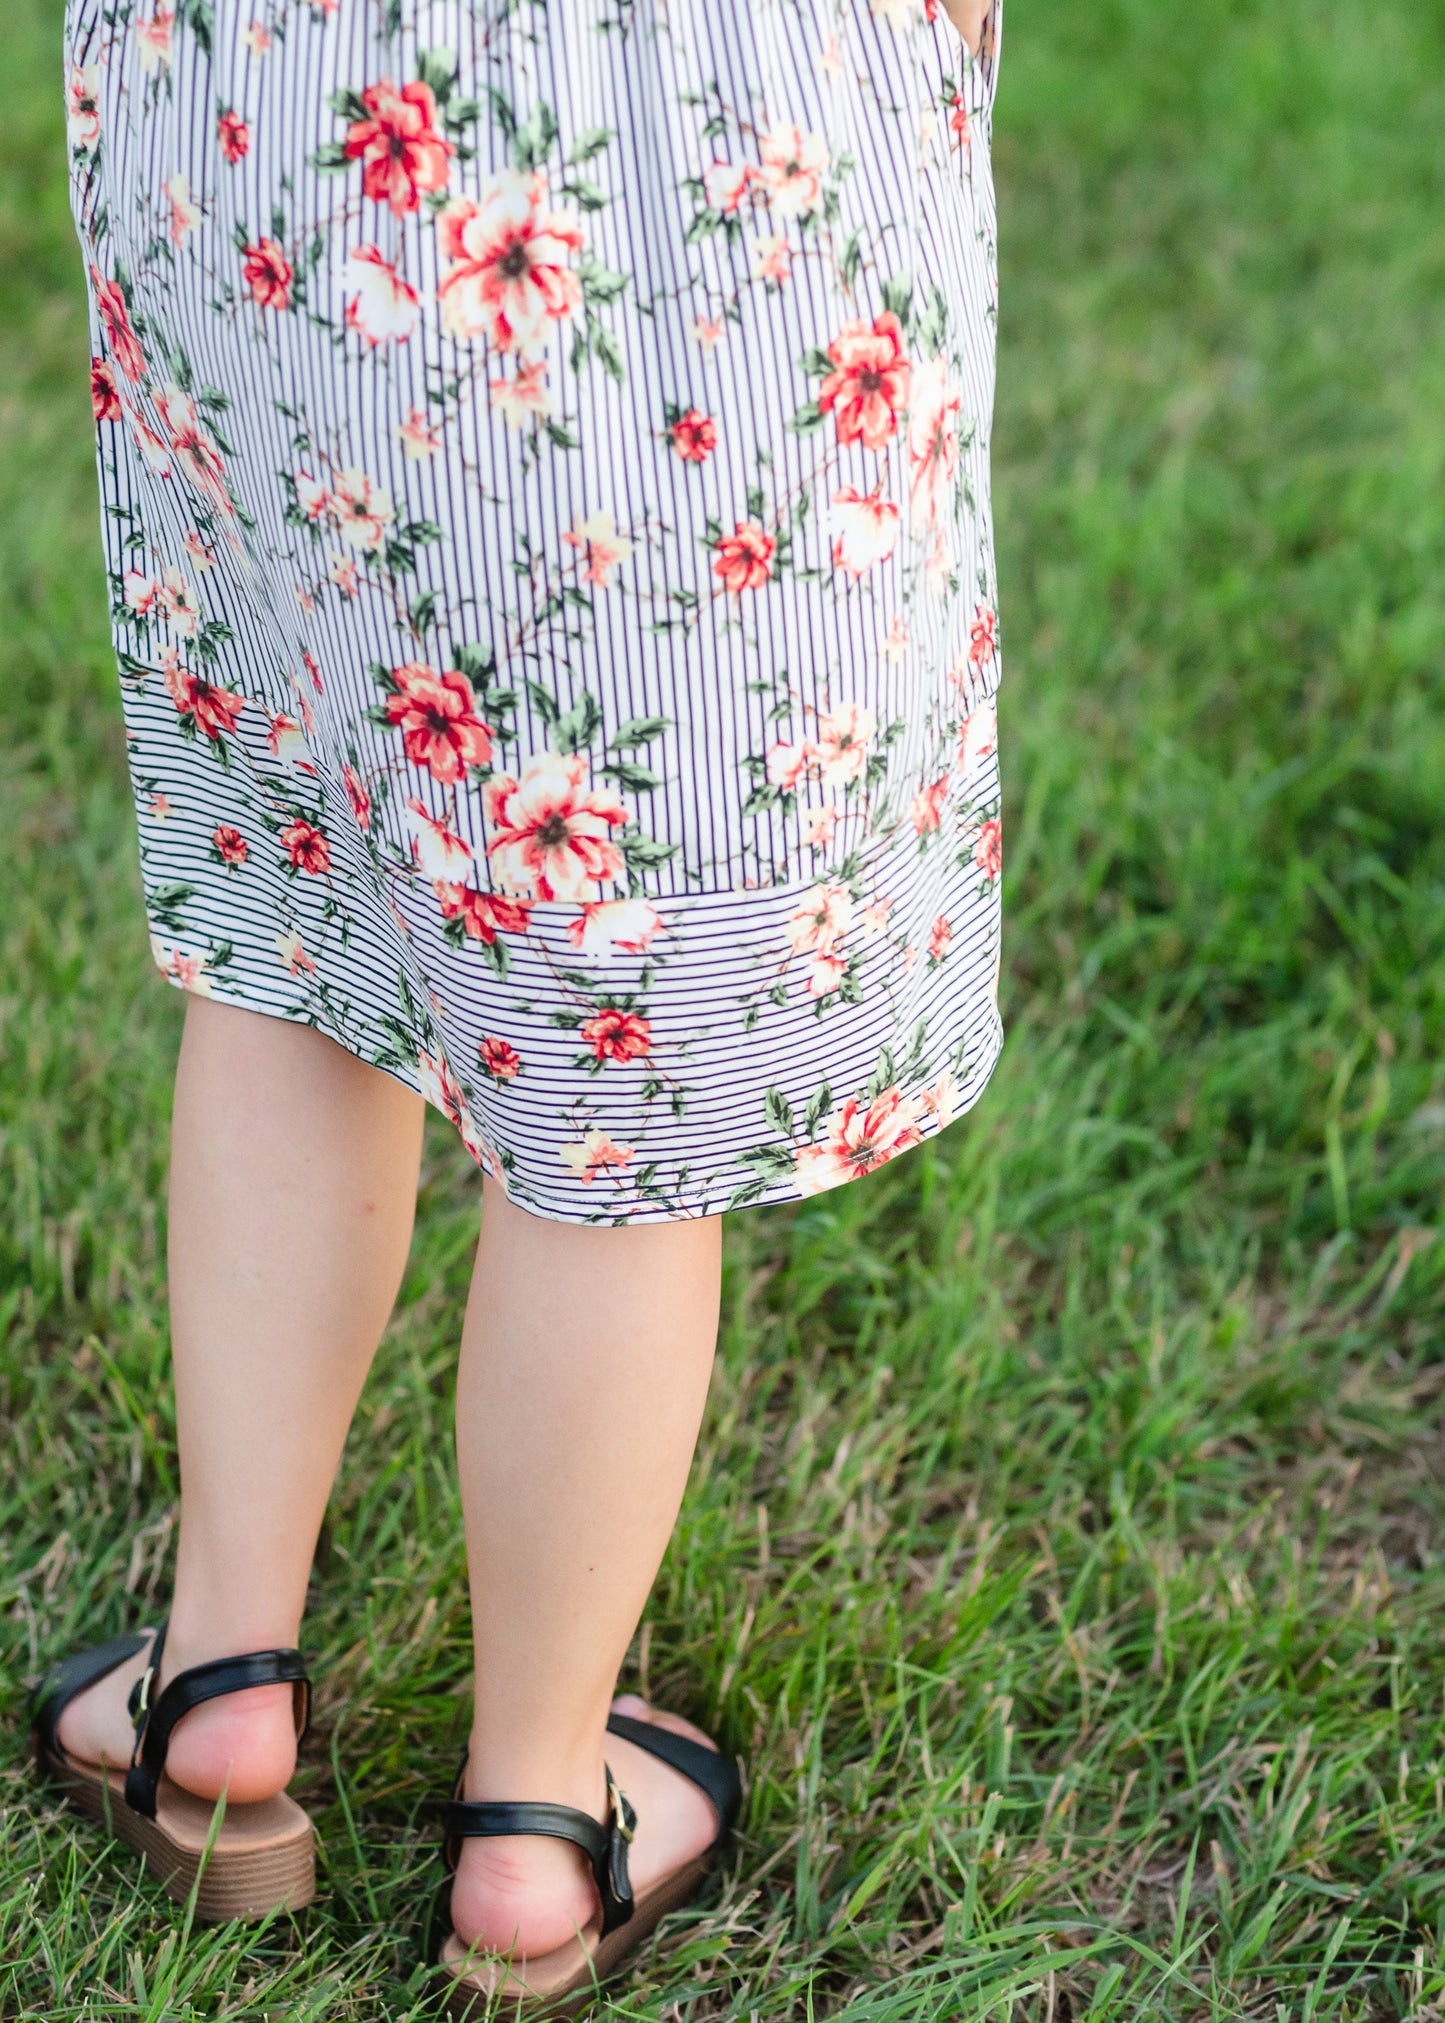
(564, 1982)
(262, 1856)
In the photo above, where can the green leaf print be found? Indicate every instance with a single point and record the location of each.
(779, 1112)
(578, 726)
(638, 730)
(591, 141)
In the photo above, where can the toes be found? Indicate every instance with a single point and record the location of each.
(633, 1705)
(681, 1727)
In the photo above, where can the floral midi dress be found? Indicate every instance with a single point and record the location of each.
(543, 453)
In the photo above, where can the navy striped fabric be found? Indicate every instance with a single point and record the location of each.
(544, 457)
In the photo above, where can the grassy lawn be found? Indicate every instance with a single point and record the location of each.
(1064, 1549)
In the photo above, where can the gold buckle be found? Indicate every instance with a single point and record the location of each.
(619, 1809)
(143, 1695)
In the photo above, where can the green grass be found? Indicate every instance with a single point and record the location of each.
(1064, 1547)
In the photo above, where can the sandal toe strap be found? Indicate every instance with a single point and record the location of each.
(155, 1719)
(715, 1775)
(72, 1676)
(604, 1843)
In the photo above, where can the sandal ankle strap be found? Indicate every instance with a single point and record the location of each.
(156, 1719)
(604, 1842)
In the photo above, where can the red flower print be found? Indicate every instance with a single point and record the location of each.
(123, 342)
(233, 136)
(618, 1036)
(306, 846)
(213, 711)
(867, 390)
(499, 1059)
(229, 844)
(927, 810)
(694, 436)
(509, 276)
(988, 849)
(190, 442)
(940, 938)
(553, 828)
(404, 156)
(357, 795)
(745, 558)
(104, 393)
(268, 274)
(983, 635)
(859, 1141)
(440, 728)
(958, 119)
(440, 1087)
(484, 915)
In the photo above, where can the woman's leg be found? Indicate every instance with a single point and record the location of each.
(584, 1367)
(293, 1185)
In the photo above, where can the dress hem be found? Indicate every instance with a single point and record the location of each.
(772, 1194)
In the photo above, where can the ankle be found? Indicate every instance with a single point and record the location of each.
(576, 1777)
(197, 1632)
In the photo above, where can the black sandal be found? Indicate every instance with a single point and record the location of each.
(563, 1982)
(263, 1856)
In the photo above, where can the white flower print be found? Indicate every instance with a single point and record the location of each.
(382, 306)
(360, 508)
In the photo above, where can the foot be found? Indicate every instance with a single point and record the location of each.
(244, 1744)
(525, 1896)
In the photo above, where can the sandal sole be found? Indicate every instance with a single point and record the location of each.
(272, 1871)
(500, 2003)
